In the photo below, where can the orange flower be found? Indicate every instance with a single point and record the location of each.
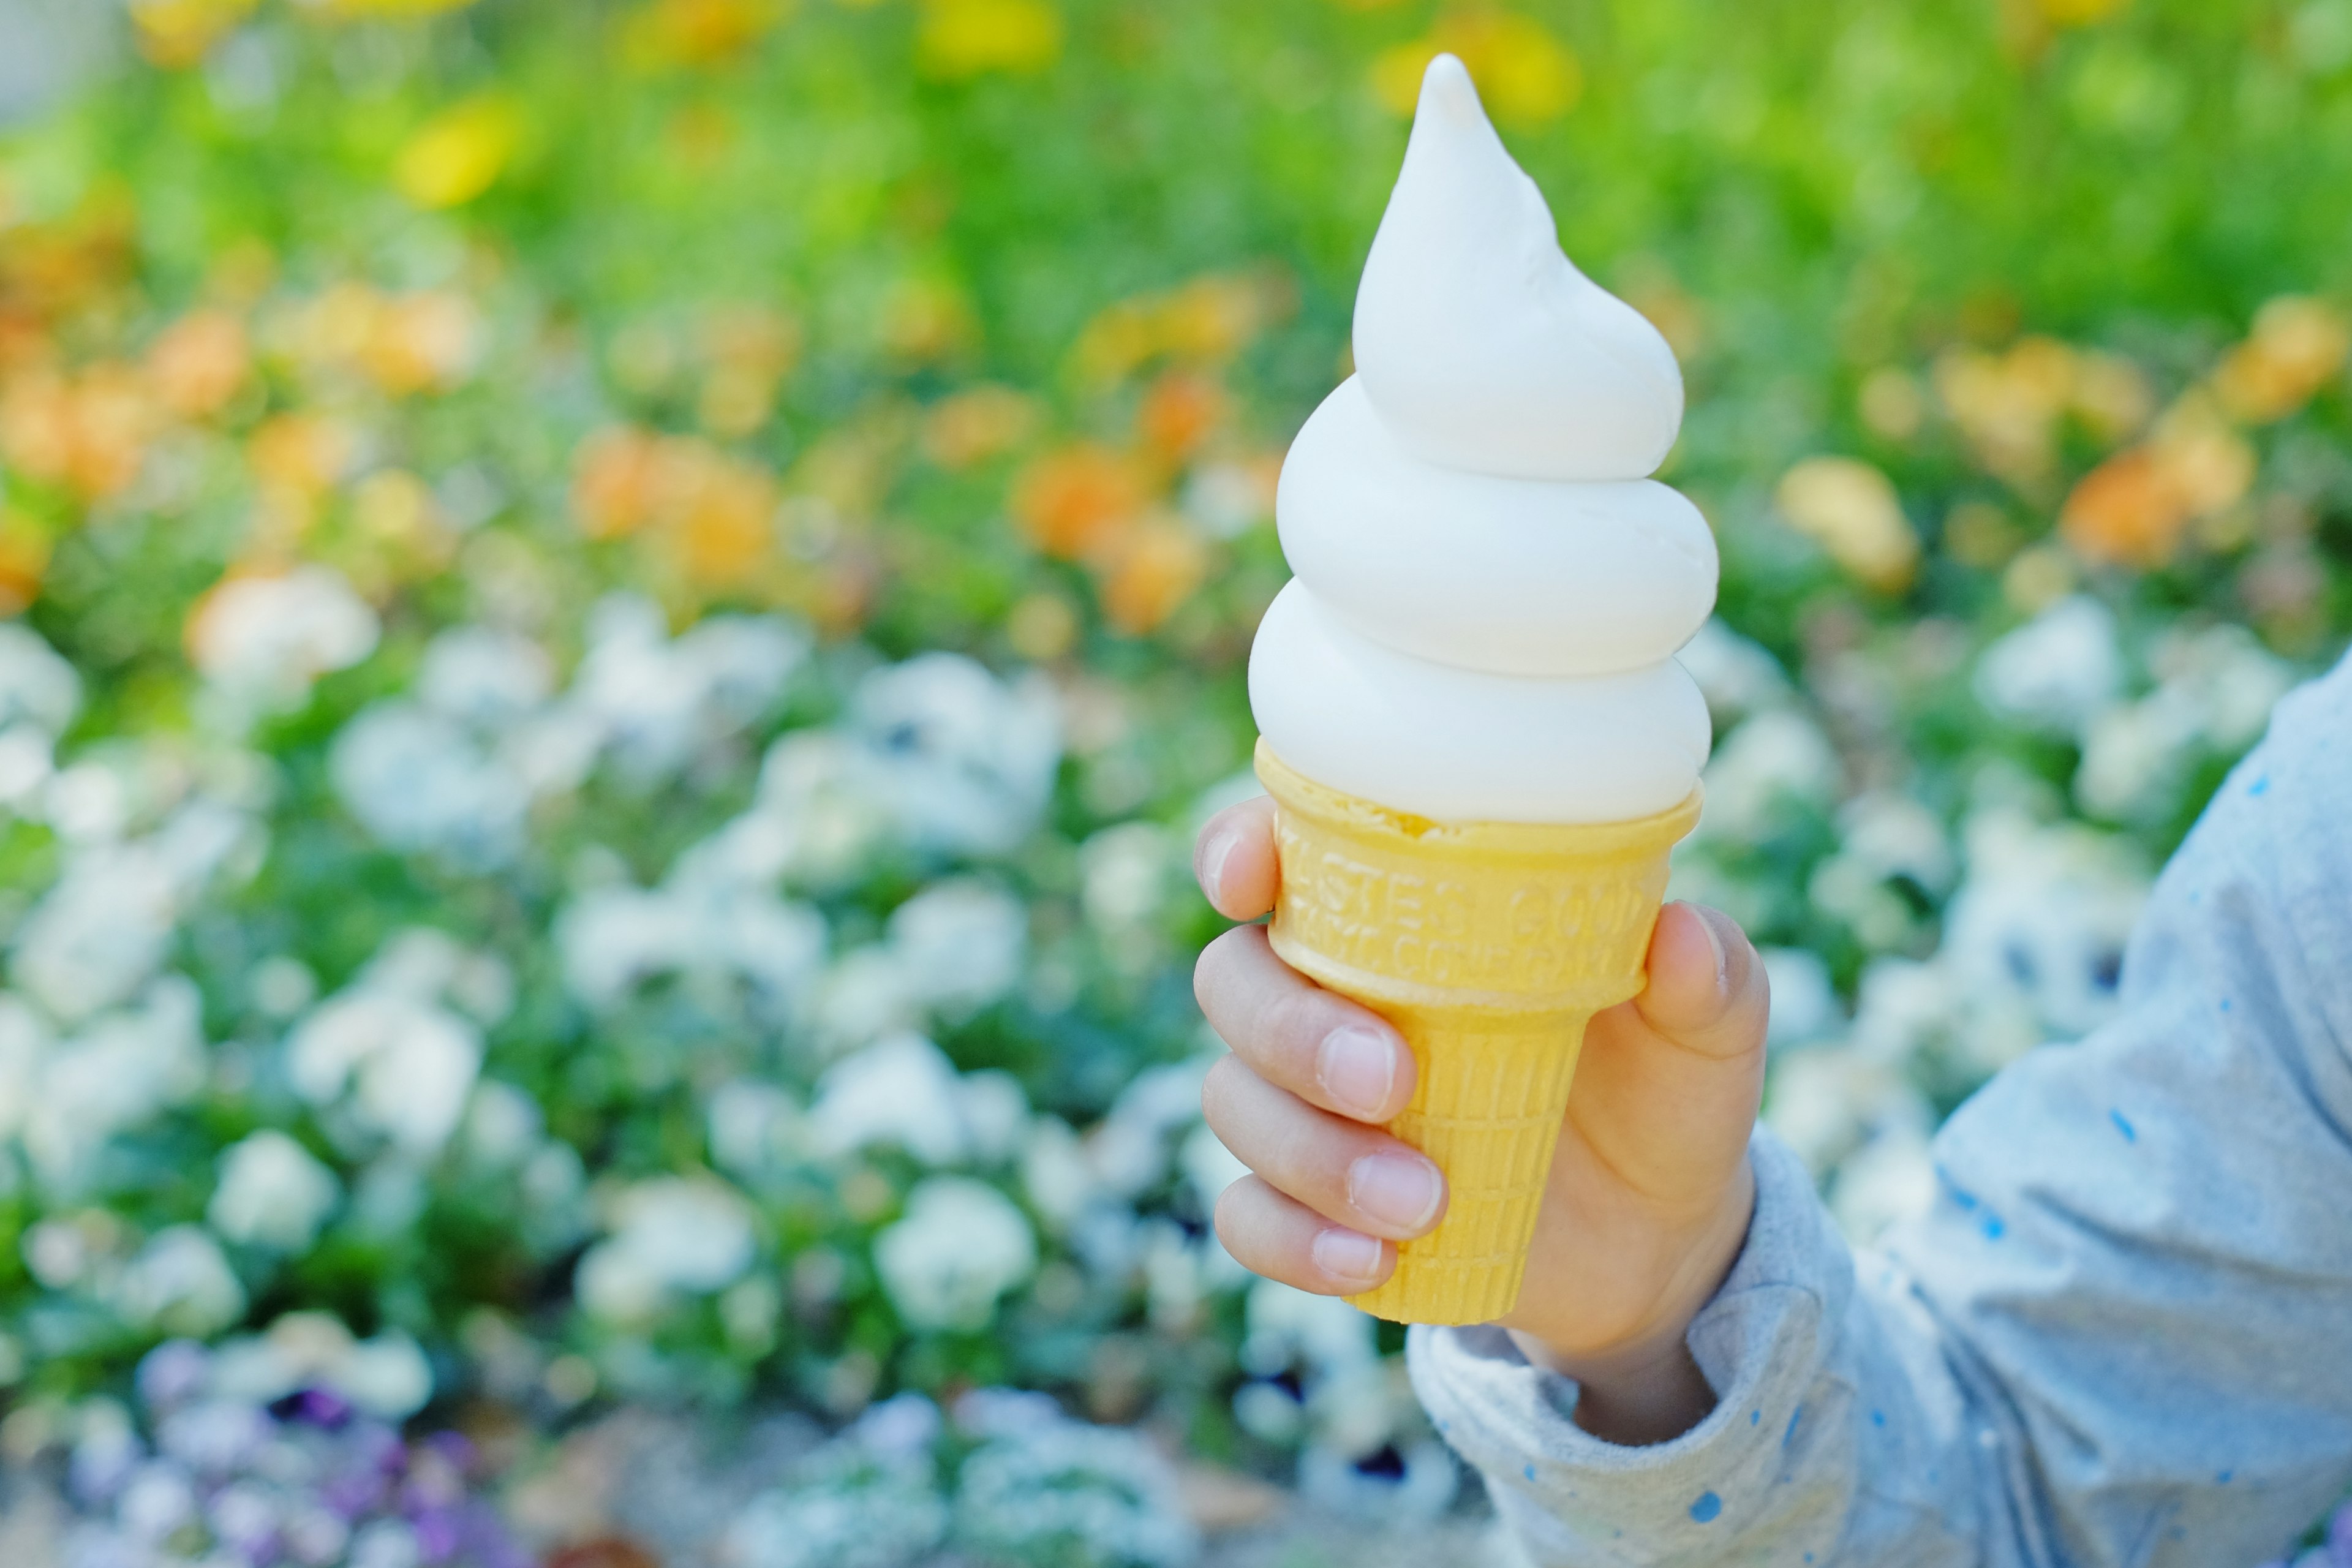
(418, 343)
(199, 363)
(726, 523)
(972, 426)
(1178, 413)
(697, 32)
(613, 481)
(1160, 564)
(89, 434)
(2135, 508)
(1850, 509)
(23, 559)
(1207, 319)
(306, 453)
(2126, 512)
(2297, 347)
(1072, 502)
(716, 512)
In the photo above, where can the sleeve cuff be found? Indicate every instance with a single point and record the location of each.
(1760, 1343)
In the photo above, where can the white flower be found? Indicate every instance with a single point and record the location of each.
(969, 759)
(657, 702)
(266, 640)
(1888, 1180)
(503, 1125)
(1125, 873)
(1130, 1147)
(417, 780)
(1737, 675)
(388, 1376)
(1804, 1002)
(962, 1246)
(37, 686)
(103, 929)
(1824, 1101)
(671, 1235)
(2228, 677)
(1072, 1492)
(484, 676)
(1777, 757)
(615, 939)
(1286, 1328)
(1056, 1175)
(961, 941)
(181, 1284)
(821, 800)
(273, 1192)
(409, 1063)
(901, 1089)
(1208, 1166)
(2040, 926)
(752, 1126)
(2056, 671)
(119, 1072)
(2136, 758)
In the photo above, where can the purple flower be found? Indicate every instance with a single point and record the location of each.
(437, 1533)
(173, 1373)
(316, 1407)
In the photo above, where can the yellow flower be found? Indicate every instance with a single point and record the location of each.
(961, 38)
(177, 33)
(458, 153)
(2297, 346)
(1525, 77)
(974, 426)
(1850, 511)
(2080, 13)
(697, 32)
(1074, 502)
(342, 10)
(24, 559)
(199, 362)
(1155, 571)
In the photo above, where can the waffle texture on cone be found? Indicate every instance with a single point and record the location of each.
(1489, 945)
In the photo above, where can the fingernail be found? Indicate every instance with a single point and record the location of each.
(1357, 1068)
(1214, 852)
(1398, 1190)
(1715, 943)
(1347, 1255)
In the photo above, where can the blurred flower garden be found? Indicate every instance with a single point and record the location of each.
(620, 615)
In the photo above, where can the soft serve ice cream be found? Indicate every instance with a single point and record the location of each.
(1489, 588)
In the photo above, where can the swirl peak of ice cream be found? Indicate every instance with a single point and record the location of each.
(1489, 591)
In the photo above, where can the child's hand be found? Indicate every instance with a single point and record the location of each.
(1650, 1192)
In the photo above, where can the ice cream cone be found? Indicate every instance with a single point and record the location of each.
(1489, 945)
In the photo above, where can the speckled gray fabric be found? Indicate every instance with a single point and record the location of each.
(2124, 1334)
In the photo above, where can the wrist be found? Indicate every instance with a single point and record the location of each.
(1641, 1386)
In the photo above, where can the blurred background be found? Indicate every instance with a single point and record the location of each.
(619, 613)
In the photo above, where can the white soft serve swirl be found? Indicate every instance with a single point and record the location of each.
(1489, 590)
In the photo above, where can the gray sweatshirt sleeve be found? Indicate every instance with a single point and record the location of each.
(2124, 1333)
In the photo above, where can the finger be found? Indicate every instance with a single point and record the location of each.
(1667, 1090)
(1284, 1240)
(1707, 989)
(1291, 1032)
(1234, 862)
(1343, 1170)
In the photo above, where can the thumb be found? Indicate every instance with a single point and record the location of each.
(1708, 991)
(1667, 1090)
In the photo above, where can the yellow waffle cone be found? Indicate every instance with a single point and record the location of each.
(1489, 945)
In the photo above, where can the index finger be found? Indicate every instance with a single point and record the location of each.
(1235, 860)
